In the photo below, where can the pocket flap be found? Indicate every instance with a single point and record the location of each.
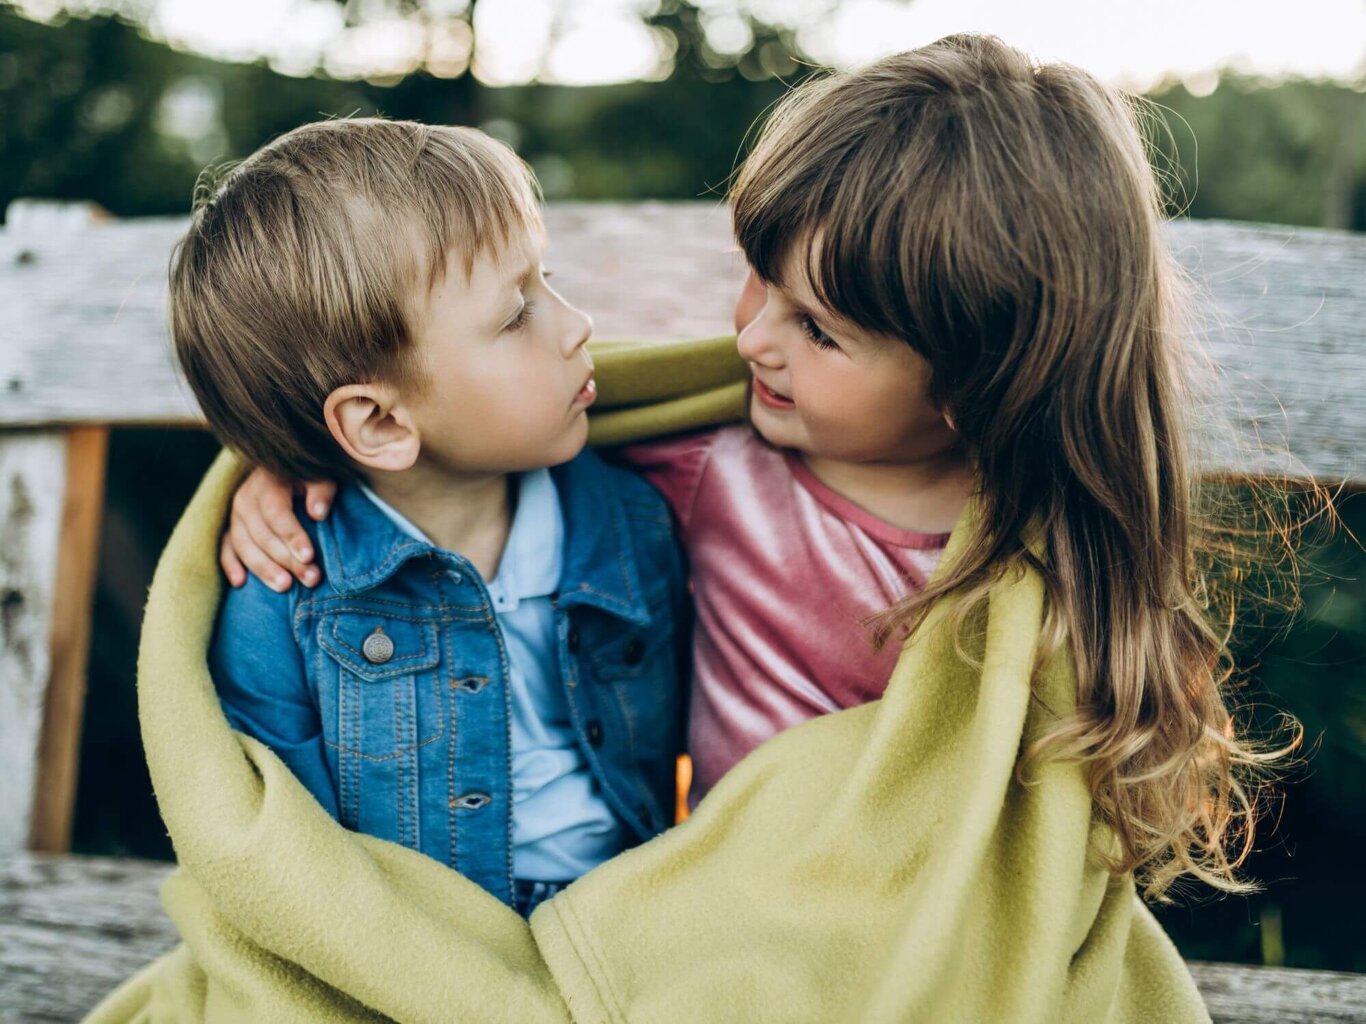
(413, 645)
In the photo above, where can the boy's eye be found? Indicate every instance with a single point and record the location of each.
(520, 320)
(814, 334)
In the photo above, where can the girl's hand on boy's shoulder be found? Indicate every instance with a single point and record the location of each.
(265, 538)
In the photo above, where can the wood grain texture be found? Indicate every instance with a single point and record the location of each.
(54, 790)
(32, 478)
(71, 928)
(1236, 994)
(1279, 310)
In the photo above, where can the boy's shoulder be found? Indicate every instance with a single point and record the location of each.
(589, 472)
(606, 508)
(255, 598)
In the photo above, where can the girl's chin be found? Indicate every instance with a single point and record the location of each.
(776, 433)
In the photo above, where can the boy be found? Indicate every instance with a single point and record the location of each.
(490, 671)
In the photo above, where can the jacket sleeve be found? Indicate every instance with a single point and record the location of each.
(262, 683)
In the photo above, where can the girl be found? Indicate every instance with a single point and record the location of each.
(959, 290)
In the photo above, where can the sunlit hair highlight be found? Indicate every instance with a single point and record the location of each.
(1001, 217)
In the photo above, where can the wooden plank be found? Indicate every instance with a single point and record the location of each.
(54, 791)
(1236, 994)
(32, 476)
(84, 338)
(1279, 310)
(71, 928)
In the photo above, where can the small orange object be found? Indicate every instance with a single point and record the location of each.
(684, 784)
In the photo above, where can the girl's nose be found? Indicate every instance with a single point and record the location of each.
(757, 343)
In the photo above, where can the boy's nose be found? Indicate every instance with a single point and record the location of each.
(579, 331)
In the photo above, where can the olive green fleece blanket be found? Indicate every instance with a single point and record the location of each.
(880, 864)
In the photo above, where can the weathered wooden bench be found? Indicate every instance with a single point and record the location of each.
(83, 348)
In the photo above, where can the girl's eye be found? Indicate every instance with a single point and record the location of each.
(520, 320)
(815, 335)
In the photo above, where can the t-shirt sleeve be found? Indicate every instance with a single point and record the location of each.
(262, 683)
(674, 466)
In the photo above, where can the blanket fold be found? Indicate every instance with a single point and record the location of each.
(879, 864)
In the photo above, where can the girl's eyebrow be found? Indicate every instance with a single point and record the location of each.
(824, 318)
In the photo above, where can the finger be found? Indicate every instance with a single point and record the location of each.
(257, 562)
(284, 524)
(318, 495)
(230, 563)
(265, 537)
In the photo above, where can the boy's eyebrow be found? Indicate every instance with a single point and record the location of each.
(518, 279)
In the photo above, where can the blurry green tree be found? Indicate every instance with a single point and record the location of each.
(92, 109)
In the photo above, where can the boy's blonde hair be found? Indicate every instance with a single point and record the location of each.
(301, 266)
(1001, 218)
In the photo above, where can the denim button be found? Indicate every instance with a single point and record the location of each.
(635, 652)
(573, 640)
(595, 733)
(472, 801)
(377, 647)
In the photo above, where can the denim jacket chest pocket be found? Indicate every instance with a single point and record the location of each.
(384, 670)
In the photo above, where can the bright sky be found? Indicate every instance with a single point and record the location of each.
(1129, 42)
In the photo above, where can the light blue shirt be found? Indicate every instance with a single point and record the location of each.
(561, 824)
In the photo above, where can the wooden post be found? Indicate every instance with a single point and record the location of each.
(51, 500)
(54, 791)
(32, 471)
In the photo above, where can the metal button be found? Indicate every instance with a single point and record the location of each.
(594, 733)
(377, 648)
(634, 653)
(573, 640)
(472, 801)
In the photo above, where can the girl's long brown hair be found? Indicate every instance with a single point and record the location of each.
(1002, 218)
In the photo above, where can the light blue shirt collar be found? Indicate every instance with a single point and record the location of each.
(532, 558)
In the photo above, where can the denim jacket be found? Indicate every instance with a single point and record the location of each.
(413, 746)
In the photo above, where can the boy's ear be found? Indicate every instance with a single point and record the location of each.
(372, 427)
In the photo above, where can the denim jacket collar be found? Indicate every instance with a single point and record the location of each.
(362, 547)
(599, 568)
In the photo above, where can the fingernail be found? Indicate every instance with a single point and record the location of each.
(282, 583)
(310, 576)
(319, 507)
(303, 553)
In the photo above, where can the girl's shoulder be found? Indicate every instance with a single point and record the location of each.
(676, 465)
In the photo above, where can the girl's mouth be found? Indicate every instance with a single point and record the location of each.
(770, 397)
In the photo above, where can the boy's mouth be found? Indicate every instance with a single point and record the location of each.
(771, 398)
(587, 395)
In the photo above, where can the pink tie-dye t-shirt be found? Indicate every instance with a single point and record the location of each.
(784, 572)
